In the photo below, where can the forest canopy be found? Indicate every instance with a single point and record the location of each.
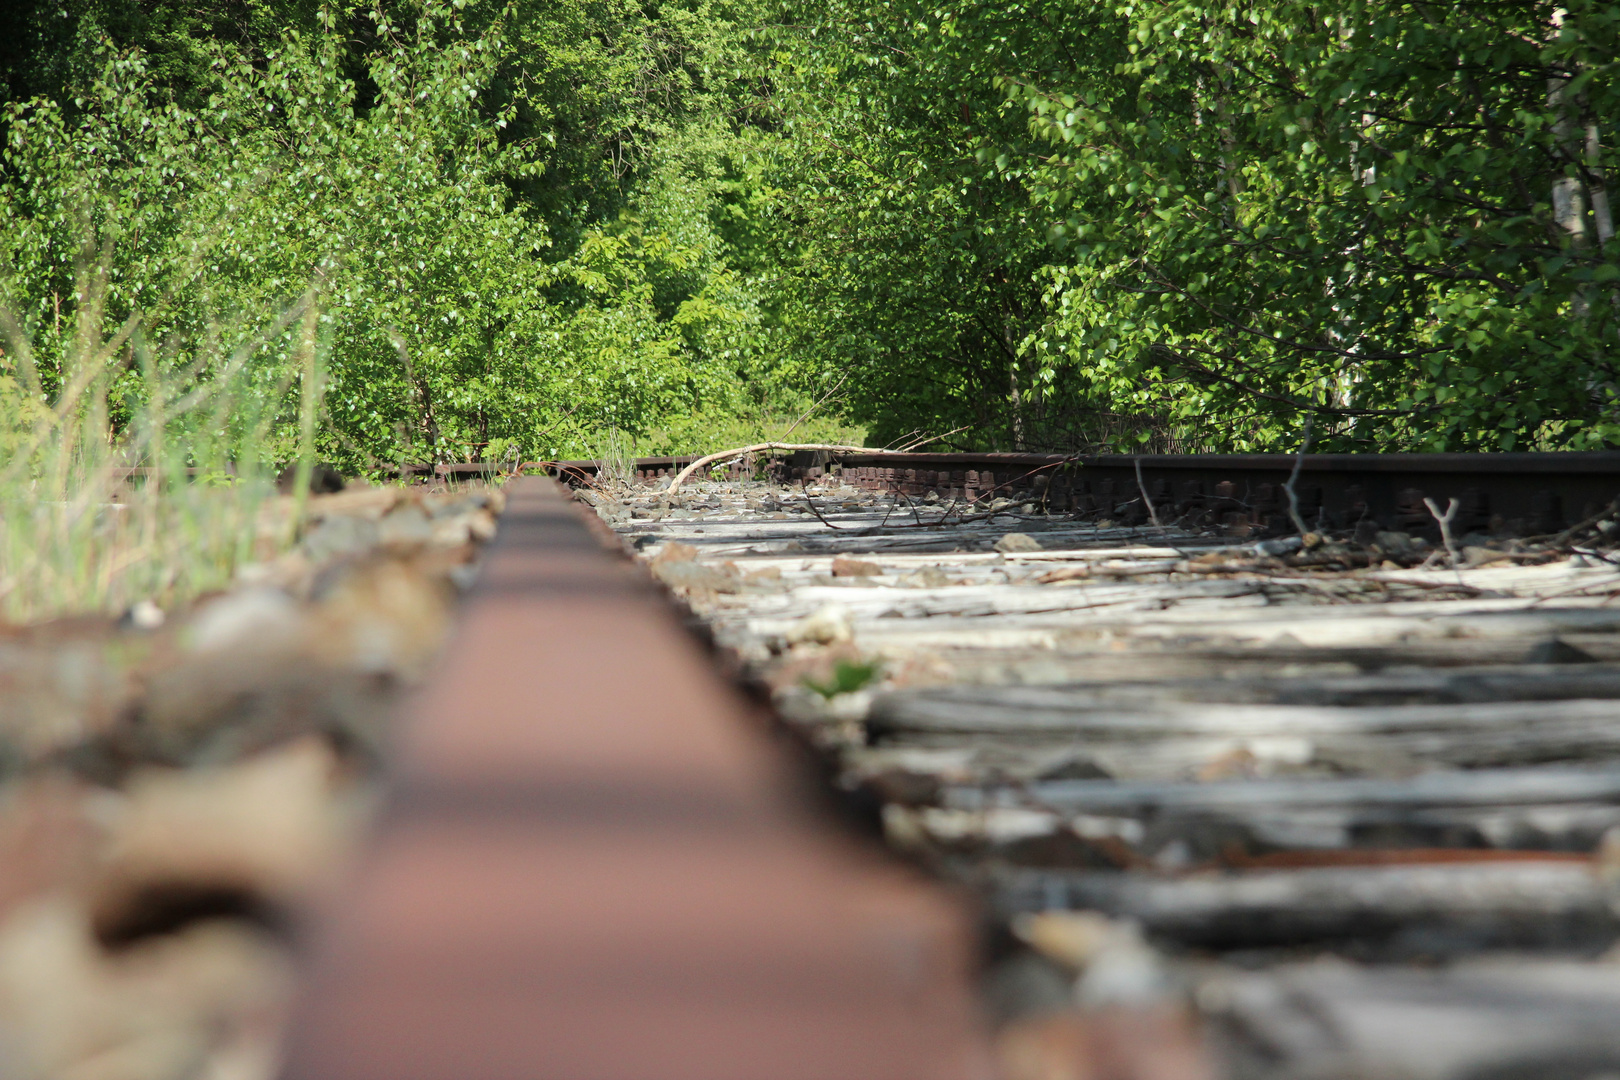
(482, 230)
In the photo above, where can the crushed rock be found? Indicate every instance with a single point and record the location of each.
(177, 787)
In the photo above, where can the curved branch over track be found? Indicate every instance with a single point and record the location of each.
(727, 455)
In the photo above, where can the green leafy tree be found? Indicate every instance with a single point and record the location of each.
(907, 267)
(454, 325)
(529, 228)
(1390, 216)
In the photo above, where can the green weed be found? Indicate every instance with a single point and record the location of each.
(847, 677)
(130, 472)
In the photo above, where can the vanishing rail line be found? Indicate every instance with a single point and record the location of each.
(1510, 492)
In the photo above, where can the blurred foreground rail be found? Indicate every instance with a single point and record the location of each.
(599, 862)
(1337, 805)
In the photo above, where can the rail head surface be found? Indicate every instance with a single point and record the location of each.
(595, 865)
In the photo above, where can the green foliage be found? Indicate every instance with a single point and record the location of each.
(524, 226)
(377, 235)
(907, 267)
(1392, 216)
(1279, 209)
(847, 677)
(49, 49)
(167, 508)
(454, 326)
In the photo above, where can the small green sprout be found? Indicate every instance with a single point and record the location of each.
(848, 676)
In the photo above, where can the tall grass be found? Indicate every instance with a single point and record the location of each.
(137, 471)
(616, 460)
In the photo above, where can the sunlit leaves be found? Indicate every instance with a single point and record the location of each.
(1350, 215)
(454, 326)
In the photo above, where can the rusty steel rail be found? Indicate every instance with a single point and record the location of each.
(1526, 493)
(597, 863)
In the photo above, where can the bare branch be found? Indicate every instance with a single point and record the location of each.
(1153, 515)
(818, 404)
(1445, 521)
(1299, 461)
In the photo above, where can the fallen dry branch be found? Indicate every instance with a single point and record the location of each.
(727, 455)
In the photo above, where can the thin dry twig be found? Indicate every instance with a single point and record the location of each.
(1445, 521)
(818, 404)
(924, 440)
(1032, 472)
(808, 501)
(1153, 514)
(1288, 488)
(1585, 523)
(900, 496)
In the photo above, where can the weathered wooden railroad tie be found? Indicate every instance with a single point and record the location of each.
(1346, 805)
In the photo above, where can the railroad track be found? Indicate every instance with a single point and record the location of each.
(1185, 800)
(596, 861)
(1346, 805)
(1509, 493)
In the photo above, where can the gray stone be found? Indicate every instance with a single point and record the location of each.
(406, 525)
(1014, 542)
(340, 535)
